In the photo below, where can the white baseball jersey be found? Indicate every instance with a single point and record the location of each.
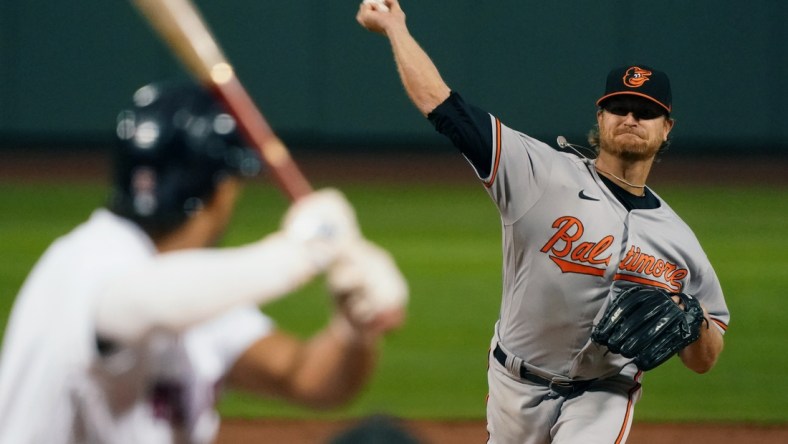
(55, 385)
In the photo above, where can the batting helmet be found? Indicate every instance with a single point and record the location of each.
(175, 144)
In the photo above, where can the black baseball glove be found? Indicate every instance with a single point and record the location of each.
(645, 324)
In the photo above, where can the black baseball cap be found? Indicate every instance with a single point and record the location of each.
(639, 80)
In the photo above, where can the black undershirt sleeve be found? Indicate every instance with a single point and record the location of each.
(469, 129)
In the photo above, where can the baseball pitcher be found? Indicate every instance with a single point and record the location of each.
(602, 280)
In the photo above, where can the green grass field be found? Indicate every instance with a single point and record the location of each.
(447, 241)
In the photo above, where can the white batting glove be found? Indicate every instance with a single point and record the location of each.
(366, 283)
(325, 222)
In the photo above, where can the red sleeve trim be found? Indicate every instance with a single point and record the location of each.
(721, 324)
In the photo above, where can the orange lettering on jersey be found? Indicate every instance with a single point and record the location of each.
(574, 257)
(649, 270)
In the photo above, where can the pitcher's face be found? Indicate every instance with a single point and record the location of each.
(633, 128)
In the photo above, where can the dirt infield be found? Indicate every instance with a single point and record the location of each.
(467, 432)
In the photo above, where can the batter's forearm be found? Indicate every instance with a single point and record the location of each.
(326, 371)
(339, 361)
(420, 77)
(178, 290)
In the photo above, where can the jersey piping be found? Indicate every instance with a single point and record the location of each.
(496, 153)
(627, 423)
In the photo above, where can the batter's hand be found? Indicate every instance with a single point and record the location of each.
(371, 17)
(368, 287)
(325, 222)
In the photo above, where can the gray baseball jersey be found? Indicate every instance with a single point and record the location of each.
(59, 385)
(567, 241)
(569, 244)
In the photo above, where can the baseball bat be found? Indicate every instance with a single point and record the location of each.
(180, 24)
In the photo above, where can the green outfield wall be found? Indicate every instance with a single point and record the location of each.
(67, 67)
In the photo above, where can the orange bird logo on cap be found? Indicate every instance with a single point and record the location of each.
(635, 77)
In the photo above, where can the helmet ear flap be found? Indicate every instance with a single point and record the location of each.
(174, 145)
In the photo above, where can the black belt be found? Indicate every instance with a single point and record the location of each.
(563, 388)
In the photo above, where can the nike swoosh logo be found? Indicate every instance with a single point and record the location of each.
(585, 196)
